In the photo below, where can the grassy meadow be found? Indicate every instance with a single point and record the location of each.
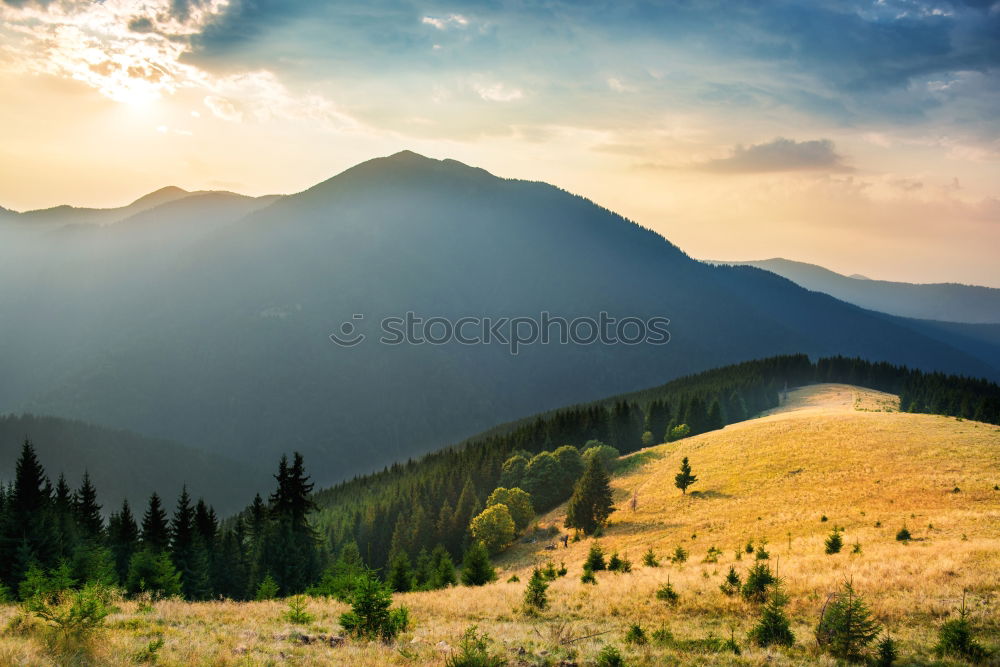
(833, 455)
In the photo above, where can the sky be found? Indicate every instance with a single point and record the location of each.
(863, 136)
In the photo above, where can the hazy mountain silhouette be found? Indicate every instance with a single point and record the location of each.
(126, 465)
(216, 335)
(949, 302)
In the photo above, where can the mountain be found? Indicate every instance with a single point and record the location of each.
(211, 327)
(949, 302)
(126, 465)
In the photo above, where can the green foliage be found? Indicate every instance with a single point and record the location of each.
(678, 432)
(731, 586)
(712, 556)
(667, 593)
(298, 610)
(400, 578)
(518, 503)
(474, 651)
(649, 558)
(847, 628)
(955, 639)
(773, 628)
(73, 613)
(886, 652)
(761, 552)
(267, 589)
(476, 567)
(512, 471)
(610, 657)
(591, 505)
(834, 542)
(903, 535)
(684, 478)
(758, 582)
(619, 563)
(494, 528)
(606, 455)
(680, 555)
(535, 596)
(151, 571)
(595, 558)
(636, 635)
(370, 616)
(588, 575)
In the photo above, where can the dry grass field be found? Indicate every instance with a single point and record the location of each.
(831, 450)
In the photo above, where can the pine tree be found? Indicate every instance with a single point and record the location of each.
(155, 529)
(64, 517)
(684, 478)
(476, 567)
(590, 505)
(87, 510)
(123, 539)
(535, 596)
(847, 628)
(27, 533)
(290, 549)
(773, 628)
(400, 578)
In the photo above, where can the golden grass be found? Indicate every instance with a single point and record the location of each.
(831, 450)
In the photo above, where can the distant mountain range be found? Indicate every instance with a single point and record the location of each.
(204, 318)
(949, 302)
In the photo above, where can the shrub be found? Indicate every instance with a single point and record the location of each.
(610, 657)
(955, 639)
(856, 548)
(904, 534)
(759, 579)
(476, 567)
(535, 597)
(73, 614)
(773, 627)
(636, 635)
(588, 576)
(834, 543)
(298, 610)
(517, 502)
(267, 590)
(494, 527)
(761, 553)
(731, 586)
(713, 555)
(846, 627)
(562, 571)
(680, 555)
(649, 558)
(886, 652)
(595, 559)
(370, 617)
(474, 651)
(749, 548)
(619, 564)
(667, 593)
(152, 571)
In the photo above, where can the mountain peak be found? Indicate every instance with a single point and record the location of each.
(161, 196)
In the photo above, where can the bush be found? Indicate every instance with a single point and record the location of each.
(517, 502)
(834, 543)
(619, 564)
(649, 558)
(904, 534)
(476, 567)
(886, 652)
(297, 610)
(473, 651)
(847, 628)
(588, 576)
(761, 553)
(636, 635)
(370, 617)
(713, 555)
(595, 559)
(773, 628)
(74, 614)
(680, 555)
(667, 593)
(494, 527)
(535, 596)
(955, 639)
(731, 586)
(758, 581)
(267, 589)
(610, 657)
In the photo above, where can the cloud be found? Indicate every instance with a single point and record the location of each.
(450, 21)
(779, 155)
(498, 92)
(223, 108)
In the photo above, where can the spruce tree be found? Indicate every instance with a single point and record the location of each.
(28, 533)
(476, 567)
(535, 596)
(123, 539)
(847, 627)
(590, 505)
(400, 578)
(684, 478)
(87, 510)
(773, 628)
(290, 550)
(155, 529)
(64, 518)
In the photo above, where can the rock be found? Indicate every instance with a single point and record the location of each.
(335, 640)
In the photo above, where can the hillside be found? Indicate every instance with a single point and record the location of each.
(948, 302)
(125, 465)
(830, 450)
(201, 323)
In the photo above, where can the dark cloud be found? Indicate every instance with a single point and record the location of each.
(779, 155)
(140, 24)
